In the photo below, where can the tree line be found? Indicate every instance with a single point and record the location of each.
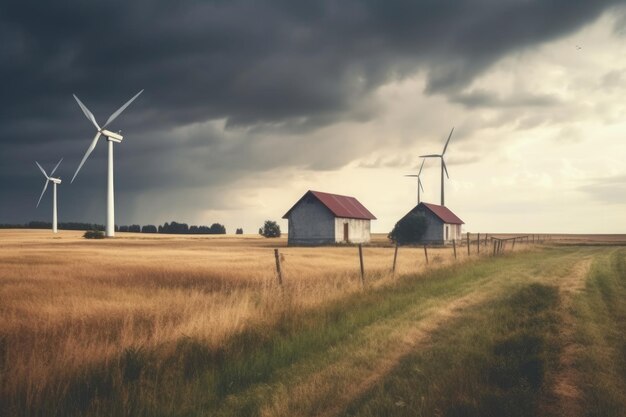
(170, 228)
(48, 225)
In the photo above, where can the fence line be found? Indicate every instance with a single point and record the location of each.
(499, 246)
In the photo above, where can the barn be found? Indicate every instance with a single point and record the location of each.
(442, 225)
(322, 218)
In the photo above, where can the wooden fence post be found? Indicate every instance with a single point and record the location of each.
(494, 247)
(279, 274)
(362, 268)
(514, 239)
(454, 247)
(395, 256)
(468, 244)
(478, 244)
(426, 254)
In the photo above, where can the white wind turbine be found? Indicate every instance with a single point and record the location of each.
(111, 138)
(419, 181)
(443, 164)
(54, 182)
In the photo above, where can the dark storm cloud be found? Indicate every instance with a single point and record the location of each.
(278, 65)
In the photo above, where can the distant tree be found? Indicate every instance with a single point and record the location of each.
(217, 229)
(11, 226)
(160, 229)
(123, 228)
(134, 228)
(270, 229)
(239, 231)
(179, 228)
(39, 225)
(409, 229)
(204, 230)
(149, 228)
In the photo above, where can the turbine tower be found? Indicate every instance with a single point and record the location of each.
(54, 182)
(111, 138)
(443, 165)
(419, 181)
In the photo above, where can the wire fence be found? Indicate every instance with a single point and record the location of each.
(474, 245)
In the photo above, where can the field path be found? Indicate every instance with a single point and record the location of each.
(368, 364)
(565, 397)
(415, 338)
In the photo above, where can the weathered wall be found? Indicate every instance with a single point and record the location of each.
(456, 232)
(311, 223)
(434, 227)
(358, 230)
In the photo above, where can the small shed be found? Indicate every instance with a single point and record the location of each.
(442, 225)
(321, 218)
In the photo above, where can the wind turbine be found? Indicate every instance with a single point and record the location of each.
(419, 181)
(54, 182)
(111, 138)
(443, 164)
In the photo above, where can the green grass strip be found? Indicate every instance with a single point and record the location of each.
(491, 362)
(601, 317)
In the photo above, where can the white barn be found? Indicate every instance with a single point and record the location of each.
(322, 218)
(442, 225)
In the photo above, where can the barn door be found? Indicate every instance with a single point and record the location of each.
(346, 238)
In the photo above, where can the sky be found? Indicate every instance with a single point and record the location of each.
(250, 103)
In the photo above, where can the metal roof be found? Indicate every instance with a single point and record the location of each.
(339, 205)
(444, 213)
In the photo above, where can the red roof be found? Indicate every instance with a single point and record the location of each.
(443, 213)
(340, 205)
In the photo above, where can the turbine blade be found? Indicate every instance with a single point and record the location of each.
(121, 109)
(412, 176)
(419, 183)
(42, 193)
(88, 114)
(445, 168)
(421, 167)
(448, 141)
(55, 168)
(430, 156)
(42, 170)
(89, 150)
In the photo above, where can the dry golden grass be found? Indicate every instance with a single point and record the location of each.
(67, 302)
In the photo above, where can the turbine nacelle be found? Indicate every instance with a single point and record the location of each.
(55, 180)
(112, 136)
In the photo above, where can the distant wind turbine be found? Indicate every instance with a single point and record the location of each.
(443, 165)
(54, 182)
(112, 138)
(419, 181)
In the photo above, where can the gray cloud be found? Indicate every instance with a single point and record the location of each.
(610, 190)
(483, 98)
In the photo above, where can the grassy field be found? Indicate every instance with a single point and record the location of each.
(171, 325)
